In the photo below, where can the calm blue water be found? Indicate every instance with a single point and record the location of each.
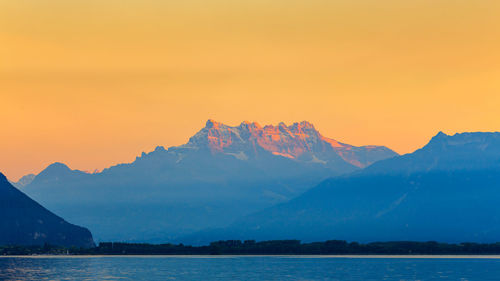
(247, 268)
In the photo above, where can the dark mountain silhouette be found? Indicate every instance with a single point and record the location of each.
(25, 222)
(222, 173)
(447, 191)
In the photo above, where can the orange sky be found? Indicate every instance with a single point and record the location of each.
(93, 83)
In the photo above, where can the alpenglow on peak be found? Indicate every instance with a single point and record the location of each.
(299, 141)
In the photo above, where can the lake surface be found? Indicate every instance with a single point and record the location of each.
(249, 268)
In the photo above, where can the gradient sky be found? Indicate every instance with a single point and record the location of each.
(94, 83)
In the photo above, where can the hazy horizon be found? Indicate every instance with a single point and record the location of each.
(94, 83)
(138, 153)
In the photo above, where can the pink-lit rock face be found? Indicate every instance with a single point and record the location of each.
(222, 173)
(300, 141)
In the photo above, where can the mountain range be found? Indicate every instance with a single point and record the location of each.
(25, 222)
(23, 181)
(271, 182)
(449, 190)
(221, 174)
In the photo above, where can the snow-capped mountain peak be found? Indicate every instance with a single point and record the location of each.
(300, 140)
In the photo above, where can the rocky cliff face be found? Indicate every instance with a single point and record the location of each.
(220, 174)
(446, 191)
(299, 141)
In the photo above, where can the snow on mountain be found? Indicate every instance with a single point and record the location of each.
(220, 174)
(299, 141)
(446, 191)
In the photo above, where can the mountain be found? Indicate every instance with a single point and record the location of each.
(24, 181)
(465, 151)
(300, 141)
(220, 174)
(449, 191)
(25, 222)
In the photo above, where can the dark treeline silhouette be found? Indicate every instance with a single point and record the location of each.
(275, 247)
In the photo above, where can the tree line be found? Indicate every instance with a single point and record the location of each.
(274, 247)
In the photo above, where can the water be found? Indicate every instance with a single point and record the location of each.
(249, 268)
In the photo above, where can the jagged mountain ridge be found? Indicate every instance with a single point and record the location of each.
(300, 141)
(220, 174)
(446, 191)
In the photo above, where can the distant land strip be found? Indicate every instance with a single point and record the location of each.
(273, 247)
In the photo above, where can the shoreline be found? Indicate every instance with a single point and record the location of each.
(263, 256)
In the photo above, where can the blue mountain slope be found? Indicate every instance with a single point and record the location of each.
(221, 174)
(448, 191)
(25, 222)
